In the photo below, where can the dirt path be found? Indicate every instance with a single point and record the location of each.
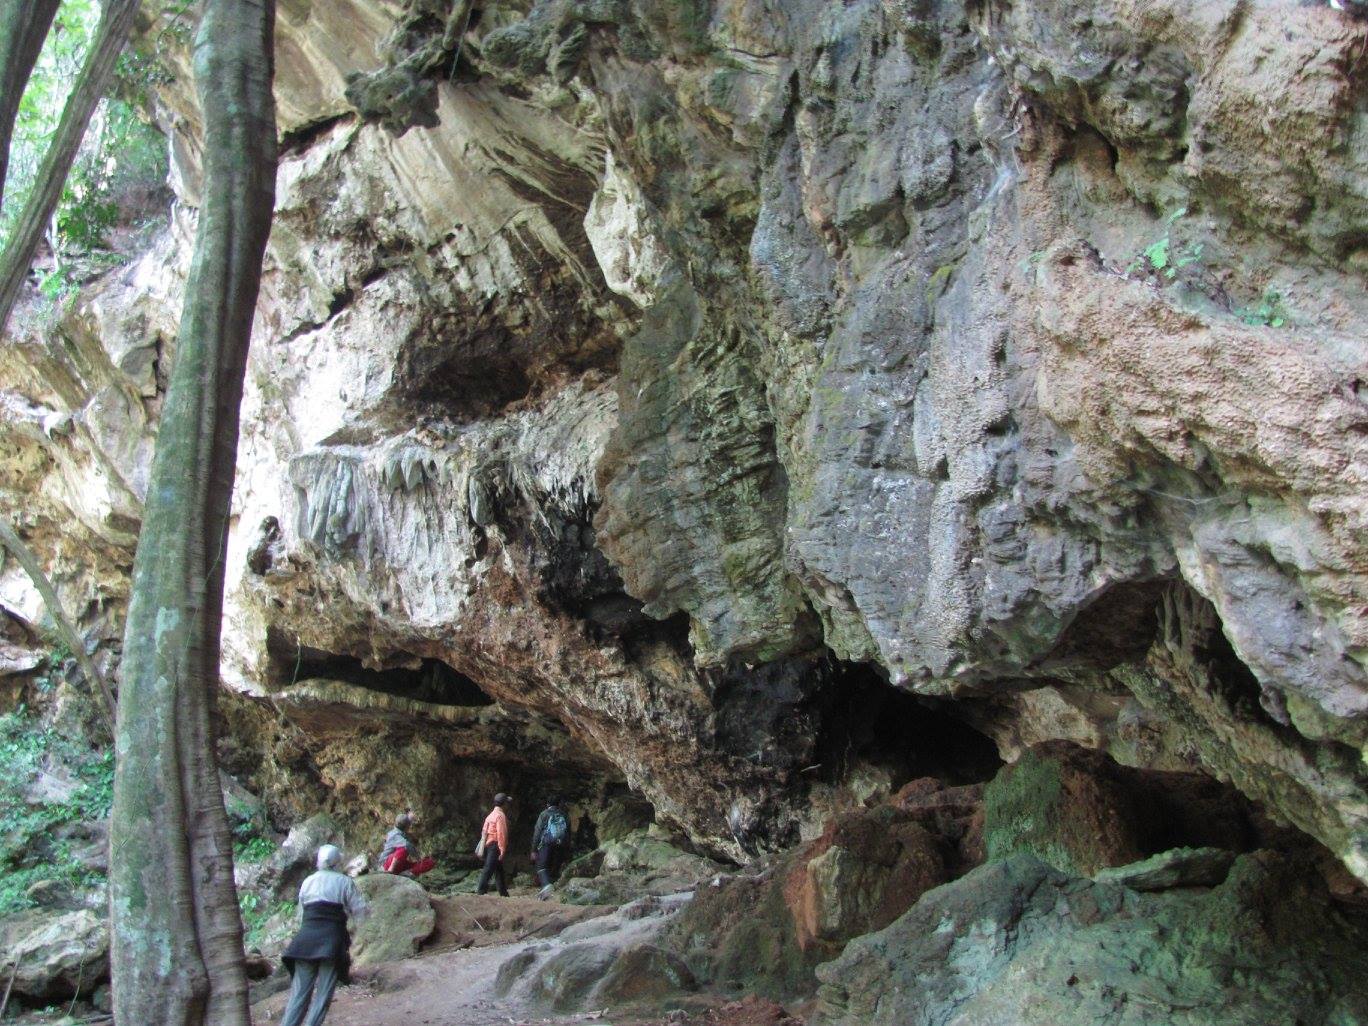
(453, 988)
(452, 983)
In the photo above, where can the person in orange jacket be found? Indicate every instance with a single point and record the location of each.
(494, 835)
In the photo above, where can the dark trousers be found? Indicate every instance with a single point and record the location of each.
(493, 867)
(548, 862)
(311, 991)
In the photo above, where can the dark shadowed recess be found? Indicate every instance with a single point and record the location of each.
(865, 720)
(423, 680)
(1117, 627)
(825, 718)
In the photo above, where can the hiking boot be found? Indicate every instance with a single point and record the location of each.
(545, 893)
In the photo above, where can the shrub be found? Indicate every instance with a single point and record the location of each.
(26, 853)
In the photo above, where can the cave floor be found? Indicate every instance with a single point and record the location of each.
(451, 982)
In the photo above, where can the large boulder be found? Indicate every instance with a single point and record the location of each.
(1178, 867)
(873, 868)
(1080, 811)
(643, 861)
(1063, 805)
(563, 982)
(765, 933)
(1017, 943)
(55, 955)
(401, 918)
(643, 974)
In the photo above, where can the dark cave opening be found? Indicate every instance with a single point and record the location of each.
(867, 720)
(1116, 627)
(423, 680)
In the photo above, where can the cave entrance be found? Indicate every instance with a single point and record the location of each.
(423, 680)
(869, 722)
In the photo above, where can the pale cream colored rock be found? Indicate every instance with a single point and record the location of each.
(622, 229)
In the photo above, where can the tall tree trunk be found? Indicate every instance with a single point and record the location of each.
(116, 24)
(24, 24)
(10, 539)
(177, 940)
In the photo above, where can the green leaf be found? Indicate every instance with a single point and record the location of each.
(1158, 254)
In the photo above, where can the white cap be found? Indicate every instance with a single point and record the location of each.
(329, 856)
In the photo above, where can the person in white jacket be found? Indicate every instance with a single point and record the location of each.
(320, 954)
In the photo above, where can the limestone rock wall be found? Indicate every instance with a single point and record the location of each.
(650, 364)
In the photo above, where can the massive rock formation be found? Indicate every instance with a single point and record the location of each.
(1017, 943)
(669, 381)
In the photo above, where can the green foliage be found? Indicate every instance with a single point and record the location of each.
(53, 666)
(1166, 257)
(1269, 311)
(27, 852)
(122, 158)
(254, 849)
(1163, 256)
(256, 913)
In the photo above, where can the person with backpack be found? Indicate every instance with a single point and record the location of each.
(319, 956)
(494, 845)
(550, 839)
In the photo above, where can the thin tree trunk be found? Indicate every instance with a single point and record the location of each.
(116, 24)
(24, 24)
(10, 539)
(177, 936)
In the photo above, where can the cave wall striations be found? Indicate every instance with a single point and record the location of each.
(650, 365)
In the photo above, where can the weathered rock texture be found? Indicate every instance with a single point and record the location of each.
(633, 360)
(54, 955)
(766, 932)
(1018, 943)
(400, 918)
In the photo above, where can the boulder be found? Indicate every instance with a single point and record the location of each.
(58, 954)
(875, 868)
(279, 876)
(952, 813)
(1080, 811)
(1062, 804)
(642, 862)
(565, 980)
(766, 933)
(645, 851)
(643, 973)
(1017, 943)
(401, 918)
(1177, 867)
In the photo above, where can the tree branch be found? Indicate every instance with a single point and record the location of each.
(10, 539)
(24, 24)
(116, 24)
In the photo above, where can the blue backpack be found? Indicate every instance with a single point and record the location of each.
(557, 829)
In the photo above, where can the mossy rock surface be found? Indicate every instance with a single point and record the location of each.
(1061, 804)
(1017, 943)
(401, 918)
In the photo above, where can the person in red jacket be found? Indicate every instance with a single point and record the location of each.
(494, 835)
(399, 854)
